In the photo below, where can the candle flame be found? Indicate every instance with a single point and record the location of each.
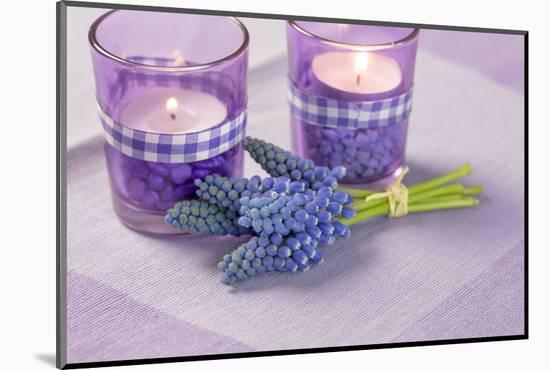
(171, 107)
(361, 62)
(177, 58)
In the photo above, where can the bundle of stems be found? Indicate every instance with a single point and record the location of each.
(431, 195)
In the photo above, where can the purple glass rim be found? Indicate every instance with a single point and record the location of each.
(196, 67)
(359, 47)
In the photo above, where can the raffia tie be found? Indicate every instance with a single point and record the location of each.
(397, 195)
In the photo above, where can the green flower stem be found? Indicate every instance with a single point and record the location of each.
(356, 193)
(361, 205)
(443, 204)
(477, 189)
(424, 206)
(446, 193)
(445, 197)
(437, 192)
(462, 171)
(380, 210)
(356, 203)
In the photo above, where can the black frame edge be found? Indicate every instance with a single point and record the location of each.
(526, 190)
(61, 246)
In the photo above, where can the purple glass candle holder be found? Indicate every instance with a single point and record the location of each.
(171, 94)
(351, 95)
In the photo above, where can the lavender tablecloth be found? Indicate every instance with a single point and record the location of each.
(443, 275)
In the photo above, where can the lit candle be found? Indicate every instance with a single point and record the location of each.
(174, 111)
(357, 72)
(177, 58)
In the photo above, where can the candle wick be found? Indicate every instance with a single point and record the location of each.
(173, 116)
(358, 79)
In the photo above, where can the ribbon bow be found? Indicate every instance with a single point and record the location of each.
(397, 194)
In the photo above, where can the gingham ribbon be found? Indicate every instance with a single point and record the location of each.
(172, 148)
(323, 111)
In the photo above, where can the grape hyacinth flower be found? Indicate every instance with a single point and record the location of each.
(227, 192)
(200, 217)
(260, 255)
(304, 215)
(279, 162)
(289, 230)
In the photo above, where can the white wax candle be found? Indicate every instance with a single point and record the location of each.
(173, 111)
(357, 72)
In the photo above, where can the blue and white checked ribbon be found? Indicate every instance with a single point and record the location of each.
(328, 112)
(174, 148)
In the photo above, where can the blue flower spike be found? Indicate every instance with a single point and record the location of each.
(200, 217)
(289, 214)
(279, 162)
